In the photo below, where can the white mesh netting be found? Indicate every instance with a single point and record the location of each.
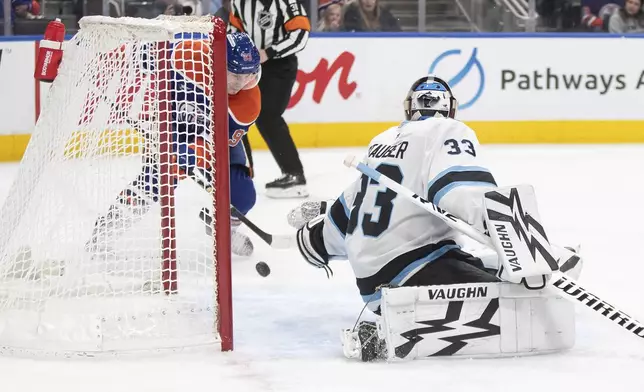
(98, 251)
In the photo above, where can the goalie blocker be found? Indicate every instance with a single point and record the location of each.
(470, 320)
(514, 225)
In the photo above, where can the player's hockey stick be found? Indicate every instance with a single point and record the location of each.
(572, 290)
(274, 240)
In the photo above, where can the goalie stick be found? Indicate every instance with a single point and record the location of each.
(568, 286)
(274, 240)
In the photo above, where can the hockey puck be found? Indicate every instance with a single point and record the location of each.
(263, 269)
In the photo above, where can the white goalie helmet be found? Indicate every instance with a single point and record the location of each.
(429, 96)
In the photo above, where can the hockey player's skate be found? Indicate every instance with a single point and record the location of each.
(98, 242)
(240, 243)
(364, 343)
(120, 217)
(287, 186)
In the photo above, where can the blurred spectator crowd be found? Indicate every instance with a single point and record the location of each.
(355, 15)
(622, 18)
(24, 9)
(614, 16)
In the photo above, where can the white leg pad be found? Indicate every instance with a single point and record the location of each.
(479, 319)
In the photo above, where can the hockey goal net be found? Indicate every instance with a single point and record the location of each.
(102, 248)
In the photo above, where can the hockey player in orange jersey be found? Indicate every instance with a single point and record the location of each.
(191, 137)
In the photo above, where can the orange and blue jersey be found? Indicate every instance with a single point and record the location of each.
(191, 116)
(243, 110)
(191, 107)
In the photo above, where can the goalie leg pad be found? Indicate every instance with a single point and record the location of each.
(481, 319)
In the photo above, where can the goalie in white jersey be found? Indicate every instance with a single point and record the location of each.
(388, 240)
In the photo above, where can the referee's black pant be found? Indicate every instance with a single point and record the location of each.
(278, 78)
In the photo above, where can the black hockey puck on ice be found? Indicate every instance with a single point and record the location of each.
(263, 269)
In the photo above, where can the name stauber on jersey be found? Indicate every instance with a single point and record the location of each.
(396, 151)
(458, 293)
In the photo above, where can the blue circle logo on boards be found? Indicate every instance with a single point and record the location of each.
(473, 65)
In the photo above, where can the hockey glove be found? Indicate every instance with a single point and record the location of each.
(311, 245)
(300, 215)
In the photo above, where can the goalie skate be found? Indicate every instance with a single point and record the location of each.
(364, 343)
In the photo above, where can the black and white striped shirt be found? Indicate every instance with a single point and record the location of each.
(280, 27)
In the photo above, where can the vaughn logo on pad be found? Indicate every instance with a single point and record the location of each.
(458, 293)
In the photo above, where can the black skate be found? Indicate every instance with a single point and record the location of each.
(363, 343)
(372, 348)
(287, 186)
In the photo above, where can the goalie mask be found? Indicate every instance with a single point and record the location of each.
(428, 97)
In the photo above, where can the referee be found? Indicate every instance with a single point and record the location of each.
(280, 29)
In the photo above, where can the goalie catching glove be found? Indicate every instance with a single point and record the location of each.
(312, 251)
(306, 211)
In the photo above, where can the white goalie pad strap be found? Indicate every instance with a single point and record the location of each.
(484, 319)
(350, 344)
(514, 225)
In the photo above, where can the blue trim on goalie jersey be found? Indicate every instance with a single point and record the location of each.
(343, 201)
(343, 235)
(456, 169)
(333, 210)
(408, 272)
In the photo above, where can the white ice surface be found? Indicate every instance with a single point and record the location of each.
(287, 325)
